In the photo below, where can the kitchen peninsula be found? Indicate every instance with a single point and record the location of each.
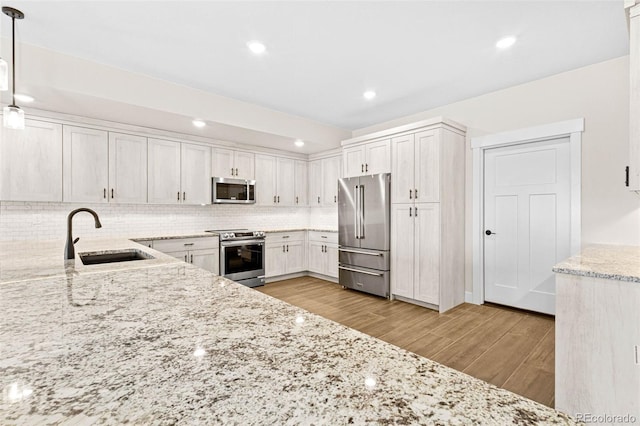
(160, 341)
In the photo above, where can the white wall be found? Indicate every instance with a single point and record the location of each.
(47, 221)
(600, 94)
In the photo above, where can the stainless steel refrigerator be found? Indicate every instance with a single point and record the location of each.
(364, 219)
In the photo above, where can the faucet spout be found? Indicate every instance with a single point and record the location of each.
(69, 251)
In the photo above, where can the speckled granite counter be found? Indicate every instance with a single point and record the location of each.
(268, 231)
(174, 344)
(620, 263)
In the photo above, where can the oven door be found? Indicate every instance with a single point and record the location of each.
(240, 260)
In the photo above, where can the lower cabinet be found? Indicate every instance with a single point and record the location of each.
(203, 252)
(284, 253)
(323, 253)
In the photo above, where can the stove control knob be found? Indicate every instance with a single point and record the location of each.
(225, 235)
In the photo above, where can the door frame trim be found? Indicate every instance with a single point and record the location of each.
(570, 128)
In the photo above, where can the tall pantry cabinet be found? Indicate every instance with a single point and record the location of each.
(427, 214)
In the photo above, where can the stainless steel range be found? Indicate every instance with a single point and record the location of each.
(242, 256)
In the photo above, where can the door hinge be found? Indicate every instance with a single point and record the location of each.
(626, 178)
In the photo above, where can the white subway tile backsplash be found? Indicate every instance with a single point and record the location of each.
(47, 221)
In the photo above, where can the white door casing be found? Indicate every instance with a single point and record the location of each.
(527, 210)
(568, 131)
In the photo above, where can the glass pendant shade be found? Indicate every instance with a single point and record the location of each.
(4, 75)
(13, 117)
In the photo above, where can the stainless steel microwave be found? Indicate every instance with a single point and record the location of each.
(233, 191)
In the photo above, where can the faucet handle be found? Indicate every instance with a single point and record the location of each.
(76, 240)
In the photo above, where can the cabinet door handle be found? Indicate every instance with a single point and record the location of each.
(335, 198)
(191, 258)
(278, 199)
(274, 199)
(283, 248)
(318, 199)
(362, 168)
(185, 257)
(184, 196)
(287, 248)
(409, 211)
(296, 199)
(415, 212)
(112, 193)
(104, 193)
(236, 171)
(415, 191)
(232, 172)
(178, 195)
(410, 193)
(366, 167)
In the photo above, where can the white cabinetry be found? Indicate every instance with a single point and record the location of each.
(427, 213)
(31, 162)
(233, 164)
(369, 158)
(127, 168)
(85, 164)
(634, 111)
(274, 181)
(323, 253)
(301, 183)
(179, 173)
(284, 253)
(323, 181)
(203, 252)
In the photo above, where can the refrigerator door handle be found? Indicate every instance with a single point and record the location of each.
(361, 212)
(359, 271)
(356, 197)
(359, 252)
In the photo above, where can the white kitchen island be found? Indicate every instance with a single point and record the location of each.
(164, 342)
(598, 335)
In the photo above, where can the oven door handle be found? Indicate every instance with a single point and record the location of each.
(241, 243)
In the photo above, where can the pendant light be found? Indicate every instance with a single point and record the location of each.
(13, 116)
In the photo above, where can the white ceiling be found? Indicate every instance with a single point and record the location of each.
(323, 55)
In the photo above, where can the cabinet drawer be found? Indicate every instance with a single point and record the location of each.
(277, 237)
(325, 237)
(179, 244)
(363, 279)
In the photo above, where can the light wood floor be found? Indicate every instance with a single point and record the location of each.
(510, 348)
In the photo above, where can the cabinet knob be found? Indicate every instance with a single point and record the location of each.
(488, 232)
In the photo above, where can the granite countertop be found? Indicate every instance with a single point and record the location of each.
(28, 260)
(172, 343)
(178, 236)
(612, 262)
(300, 229)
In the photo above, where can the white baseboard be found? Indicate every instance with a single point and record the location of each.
(468, 296)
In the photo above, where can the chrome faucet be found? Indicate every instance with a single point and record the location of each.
(69, 252)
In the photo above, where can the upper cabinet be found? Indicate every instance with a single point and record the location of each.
(127, 168)
(31, 162)
(101, 167)
(634, 111)
(301, 183)
(368, 158)
(85, 164)
(323, 181)
(275, 181)
(233, 164)
(179, 173)
(416, 162)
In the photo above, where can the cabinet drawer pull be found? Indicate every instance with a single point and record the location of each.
(285, 236)
(359, 252)
(188, 244)
(323, 236)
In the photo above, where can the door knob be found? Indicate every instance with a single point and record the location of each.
(488, 232)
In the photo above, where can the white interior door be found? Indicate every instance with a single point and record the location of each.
(527, 222)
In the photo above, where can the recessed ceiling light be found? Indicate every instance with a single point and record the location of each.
(299, 142)
(24, 98)
(199, 123)
(256, 47)
(505, 42)
(369, 94)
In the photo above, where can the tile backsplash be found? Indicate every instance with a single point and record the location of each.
(47, 221)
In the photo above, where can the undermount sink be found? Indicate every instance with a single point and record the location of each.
(113, 256)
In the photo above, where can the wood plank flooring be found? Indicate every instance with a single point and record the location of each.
(510, 348)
